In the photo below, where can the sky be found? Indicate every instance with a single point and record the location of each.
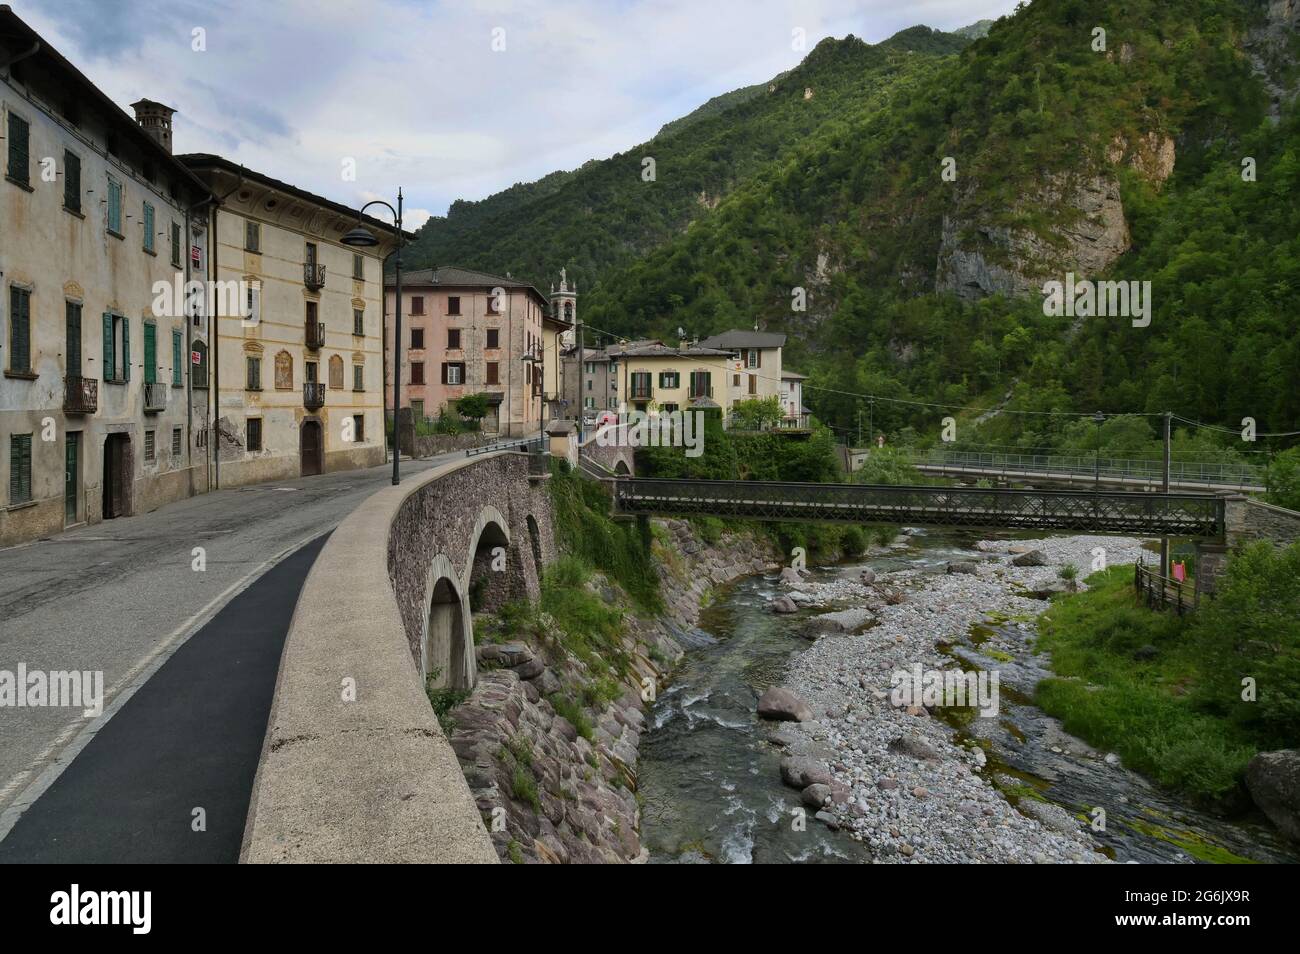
(352, 98)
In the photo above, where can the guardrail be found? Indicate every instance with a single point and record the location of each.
(1161, 592)
(1228, 475)
(529, 444)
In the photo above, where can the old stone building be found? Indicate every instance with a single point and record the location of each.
(467, 332)
(296, 367)
(96, 408)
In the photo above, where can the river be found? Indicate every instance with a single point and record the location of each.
(709, 776)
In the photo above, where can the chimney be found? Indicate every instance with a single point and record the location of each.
(156, 120)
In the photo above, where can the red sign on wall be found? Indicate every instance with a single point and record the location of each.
(194, 357)
(196, 255)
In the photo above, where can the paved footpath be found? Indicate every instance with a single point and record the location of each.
(189, 661)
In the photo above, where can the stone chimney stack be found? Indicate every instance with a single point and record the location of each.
(156, 120)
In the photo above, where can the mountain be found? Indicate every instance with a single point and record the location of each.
(1118, 161)
(604, 214)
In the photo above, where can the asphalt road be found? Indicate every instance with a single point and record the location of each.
(123, 597)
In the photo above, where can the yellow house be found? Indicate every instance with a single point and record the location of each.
(652, 376)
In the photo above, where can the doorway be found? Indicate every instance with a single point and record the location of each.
(312, 448)
(117, 475)
(71, 476)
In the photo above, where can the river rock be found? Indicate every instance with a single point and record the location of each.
(1032, 558)
(915, 747)
(868, 576)
(829, 820)
(1048, 590)
(1273, 779)
(963, 566)
(845, 621)
(1052, 816)
(816, 795)
(783, 604)
(799, 772)
(779, 703)
(790, 576)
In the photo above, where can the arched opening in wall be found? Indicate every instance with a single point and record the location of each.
(622, 470)
(535, 541)
(495, 577)
(445, 647)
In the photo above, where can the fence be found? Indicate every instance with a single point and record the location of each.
(1161, 592)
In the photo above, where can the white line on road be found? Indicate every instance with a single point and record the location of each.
(68, 745)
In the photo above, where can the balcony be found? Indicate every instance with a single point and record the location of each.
(80, 395)
(639, 392)
(313, 276)
(314, 332)
(155, 396)
(313, 395)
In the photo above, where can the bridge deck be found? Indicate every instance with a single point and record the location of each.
(1105, 512)
(1081, 478)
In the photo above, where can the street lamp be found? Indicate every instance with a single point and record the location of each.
(1098, 419)
(361, 237)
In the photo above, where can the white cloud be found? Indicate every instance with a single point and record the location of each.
(413, 91)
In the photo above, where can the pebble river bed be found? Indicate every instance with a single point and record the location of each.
(902, 785)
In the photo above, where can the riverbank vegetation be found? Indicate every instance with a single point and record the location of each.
(1187, 701)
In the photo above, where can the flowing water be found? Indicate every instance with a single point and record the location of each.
(711, 786)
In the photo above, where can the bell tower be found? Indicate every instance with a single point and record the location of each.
(564, 305)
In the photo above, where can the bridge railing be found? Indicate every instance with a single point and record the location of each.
(529, 444)
(1229, 475)
(1160, 592)
(1180, 514)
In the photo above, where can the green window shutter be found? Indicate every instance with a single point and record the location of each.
(72, 315)
(108, 347)
(20, 468)
(176, 357)
(126, 349)
(20, 340)
(71, 182)
(115, 206)
(18, 148)
(150, 352)
(149, 237)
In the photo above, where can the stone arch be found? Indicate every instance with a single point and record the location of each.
(494, 572)
(447, 644)
(621, 469)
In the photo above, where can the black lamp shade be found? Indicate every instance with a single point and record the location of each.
(360, 237)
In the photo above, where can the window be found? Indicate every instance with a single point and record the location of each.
(72, 336)
(590, 384)
(494, 338)
(254, 373)
(753, 358)
(313, 309)
(735, 380)
(453, 339)
(453, 372)
(20, 468)
(358, 377)
(150, 243)
(114, 207)
(358, 322)
(117, 348)
(701, 384)
(18, 135)
(589, 403)
(254, 436)
(639, 385)
(309, 253)
(668, 408)
(753, 384)
(417, 338)
(71, 182)
(150, 353)
(176, 245)
(358, 266)
(176, 442)
(150, 448)
(20, 330)
(670, 379)
(453, 304)
(417, 304)
(359, 428)
(199, 374)
(492, 373)
(417, 372)
(178, 363)
(252, 237)
(417, 410)
(591, 367)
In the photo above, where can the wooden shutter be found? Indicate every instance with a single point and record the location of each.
(20, 330)
(18, 148)
(126, 349)
(108, 347)
(114, 206)
(20, 468)
(72, 321)
(149, 236)
(176, 357)
(71, 181)
(150, 352)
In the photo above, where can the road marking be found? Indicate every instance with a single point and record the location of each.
(77, 735)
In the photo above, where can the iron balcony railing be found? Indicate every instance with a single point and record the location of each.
(313, 395)
(1147, 470)
(640, 392)
(155, 396)
(1119, 512)
(314, 332)
(313, 276)
(80, 395)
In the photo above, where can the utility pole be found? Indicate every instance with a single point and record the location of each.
(582, 387)
(871, 421)
(859, 444)
(1164, 541)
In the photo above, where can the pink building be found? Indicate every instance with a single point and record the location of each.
(467, 332)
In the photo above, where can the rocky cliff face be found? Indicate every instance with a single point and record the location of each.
(554, 792)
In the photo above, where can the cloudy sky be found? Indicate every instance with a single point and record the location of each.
(416, 94)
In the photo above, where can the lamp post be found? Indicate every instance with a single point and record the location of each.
(1098, 419)
(361, 237)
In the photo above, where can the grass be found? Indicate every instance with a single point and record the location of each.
(1128, 681)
